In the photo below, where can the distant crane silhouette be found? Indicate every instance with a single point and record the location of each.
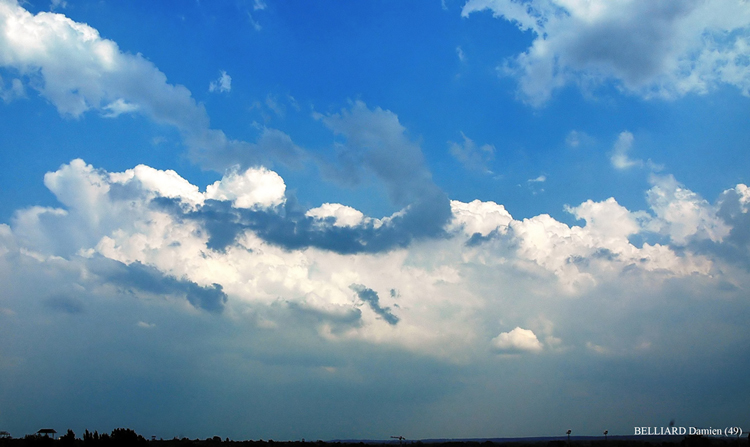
(400, 439)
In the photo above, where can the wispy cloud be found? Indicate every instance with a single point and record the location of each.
(471, 155)
(620, 159)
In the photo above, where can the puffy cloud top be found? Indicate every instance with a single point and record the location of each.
(256, 187)
(517, 341)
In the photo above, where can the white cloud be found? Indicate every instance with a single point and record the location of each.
(654, 49)
(221, 85)
(344, 216)
(82, 71)
(620, 159)
(444, 293)
(78, 71)
(683, 214)
(118, 107)
(479, 217)
(256, 187)
(517, 341)
(540, 179)
(165, 183)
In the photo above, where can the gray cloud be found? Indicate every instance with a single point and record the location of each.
(287, 226)
(65, 304)
(150, 279)
(735, 247)
(370, 297)
(376, 143)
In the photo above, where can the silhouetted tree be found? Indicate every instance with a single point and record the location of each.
(68, 439)
(126, 437)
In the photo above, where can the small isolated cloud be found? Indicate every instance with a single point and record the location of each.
(596, 348)
(54, 4)
(517, 341)
(221, 85)
(620, 159)
(540, 179)
(370, 297)
(577, 138)
(535, 184)
(472, 156)
(460, 53)
(145, 325)
(259, 5)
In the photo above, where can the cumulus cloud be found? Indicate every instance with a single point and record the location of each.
(221, 85)
(653, 49)
(683, 214)
(479, 217)
(252, 189)
(78, 71)
(518, 340)
(150, 234)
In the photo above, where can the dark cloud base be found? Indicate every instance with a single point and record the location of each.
(149, 279)
(288, 226)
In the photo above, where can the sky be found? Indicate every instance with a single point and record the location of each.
(355, 220)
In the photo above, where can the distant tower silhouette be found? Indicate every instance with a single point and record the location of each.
(400, 439)
(605, 435)
(568, 433)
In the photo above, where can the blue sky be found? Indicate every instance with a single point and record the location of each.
(316, 219)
